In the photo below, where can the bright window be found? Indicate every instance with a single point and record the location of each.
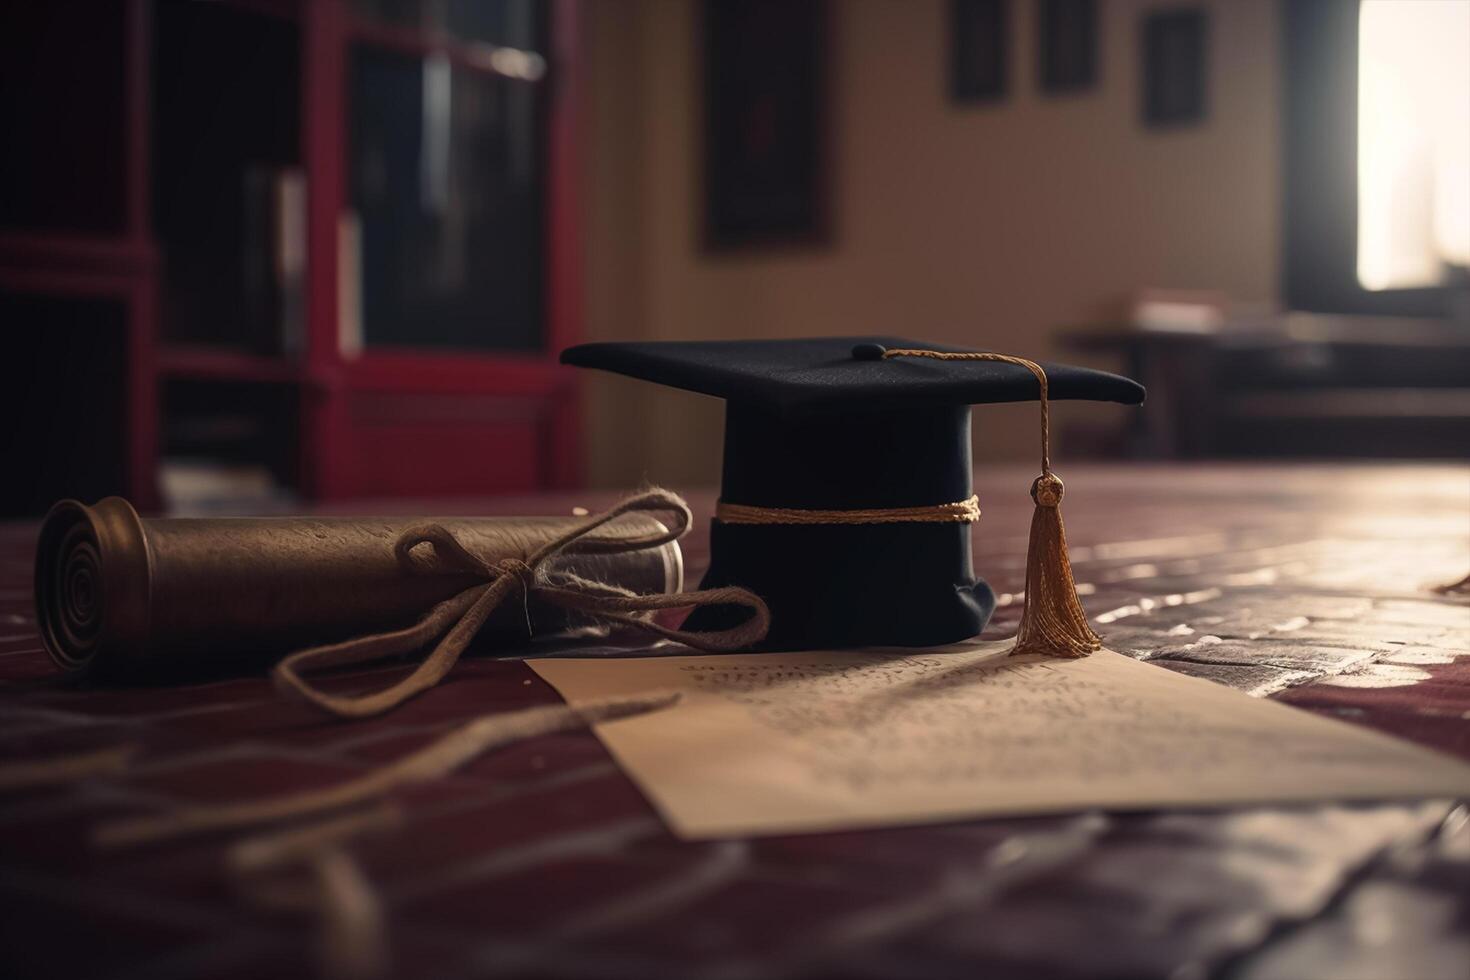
(1413, 141)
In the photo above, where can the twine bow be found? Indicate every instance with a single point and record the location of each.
(456, 621)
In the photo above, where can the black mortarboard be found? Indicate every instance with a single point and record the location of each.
(846, 477)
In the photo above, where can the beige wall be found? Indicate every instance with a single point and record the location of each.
(988, 226)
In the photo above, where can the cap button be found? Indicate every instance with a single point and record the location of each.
(868, 352)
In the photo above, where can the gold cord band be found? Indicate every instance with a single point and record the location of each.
(960, 512)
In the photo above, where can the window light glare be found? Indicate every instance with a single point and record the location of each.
(1413, 141)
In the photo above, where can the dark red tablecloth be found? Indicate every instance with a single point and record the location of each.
(1304, 583)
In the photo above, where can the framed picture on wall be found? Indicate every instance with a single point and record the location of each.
(765, 123)
(979, 49)
(1066, 39)
(1174, 67)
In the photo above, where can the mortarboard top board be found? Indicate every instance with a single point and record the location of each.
(827, 446)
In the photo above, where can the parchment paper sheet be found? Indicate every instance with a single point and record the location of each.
(780, 743)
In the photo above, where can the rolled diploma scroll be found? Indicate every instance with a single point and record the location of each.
(122, 596)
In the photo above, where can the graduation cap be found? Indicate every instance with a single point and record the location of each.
(846, 497)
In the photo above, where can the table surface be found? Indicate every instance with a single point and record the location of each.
(1309, 584)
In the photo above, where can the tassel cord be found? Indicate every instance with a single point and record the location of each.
(1053, 622)
(1036, 370)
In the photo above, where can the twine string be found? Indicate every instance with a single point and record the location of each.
(311, 870)
(52, 770)
(456, 621)
(433, 761)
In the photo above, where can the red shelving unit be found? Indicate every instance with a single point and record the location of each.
(214, 364)
(439, 389)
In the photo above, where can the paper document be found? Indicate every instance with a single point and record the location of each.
(781, 743)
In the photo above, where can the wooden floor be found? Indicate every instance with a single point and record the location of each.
(1309, 584)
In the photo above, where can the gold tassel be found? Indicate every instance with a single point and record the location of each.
(1052, 623)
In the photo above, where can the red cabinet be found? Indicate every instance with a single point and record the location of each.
(334, 241)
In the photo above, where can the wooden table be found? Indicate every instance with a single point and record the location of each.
(1303, 583)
